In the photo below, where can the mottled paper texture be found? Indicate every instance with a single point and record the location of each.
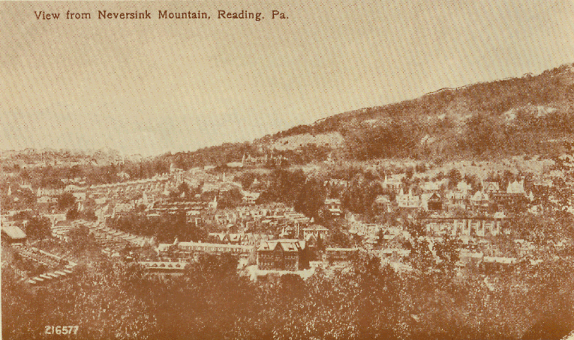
(287, 169)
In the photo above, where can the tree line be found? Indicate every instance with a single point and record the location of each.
(211, 300)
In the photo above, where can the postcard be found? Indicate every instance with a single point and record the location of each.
(287, 169)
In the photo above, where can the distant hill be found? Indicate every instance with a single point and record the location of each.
(526, 115)
(533, 114)
(52, 156)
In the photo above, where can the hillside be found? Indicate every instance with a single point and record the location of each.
(530, 115)
(526, 115)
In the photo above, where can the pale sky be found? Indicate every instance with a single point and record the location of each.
(153, 86)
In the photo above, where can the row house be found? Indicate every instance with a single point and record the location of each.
(47, 200)
(221, 238)
(62, 229)
(317, 231)
(163, 267)
(465, 226)
(238, 238)
(49, 192)
(122, 209)
(497, 263)
(256, 212)
(180, 206)
(297, 218)
(74, 188)
(155, 182)
(336, 183)
(248, 217)
(250, 239)
(195, 248)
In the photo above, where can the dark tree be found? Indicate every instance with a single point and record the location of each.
(311, 198)
(38, 228)
(454, 177)
(66, 200)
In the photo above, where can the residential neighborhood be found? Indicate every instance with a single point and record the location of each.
(477, 213)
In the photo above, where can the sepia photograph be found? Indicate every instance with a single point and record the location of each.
(395, 169)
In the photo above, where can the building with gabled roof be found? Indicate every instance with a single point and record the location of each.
(13, 234)
(490, 187)
(316, 230)
(480, 200)
(408, 201)
(433, 202)
(285, 254)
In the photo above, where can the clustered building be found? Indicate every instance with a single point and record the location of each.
(275, 237)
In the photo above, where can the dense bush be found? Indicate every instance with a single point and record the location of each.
(369, 300)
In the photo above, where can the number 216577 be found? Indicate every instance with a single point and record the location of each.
(61, 330)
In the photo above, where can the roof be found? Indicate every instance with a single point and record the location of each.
(342, 249)
(499, 215)
(381, 199)
(515, 187)
(435, 197)
(491, 186)
(315, 228)
(286, 245)
(14, 232)
(479, 196)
